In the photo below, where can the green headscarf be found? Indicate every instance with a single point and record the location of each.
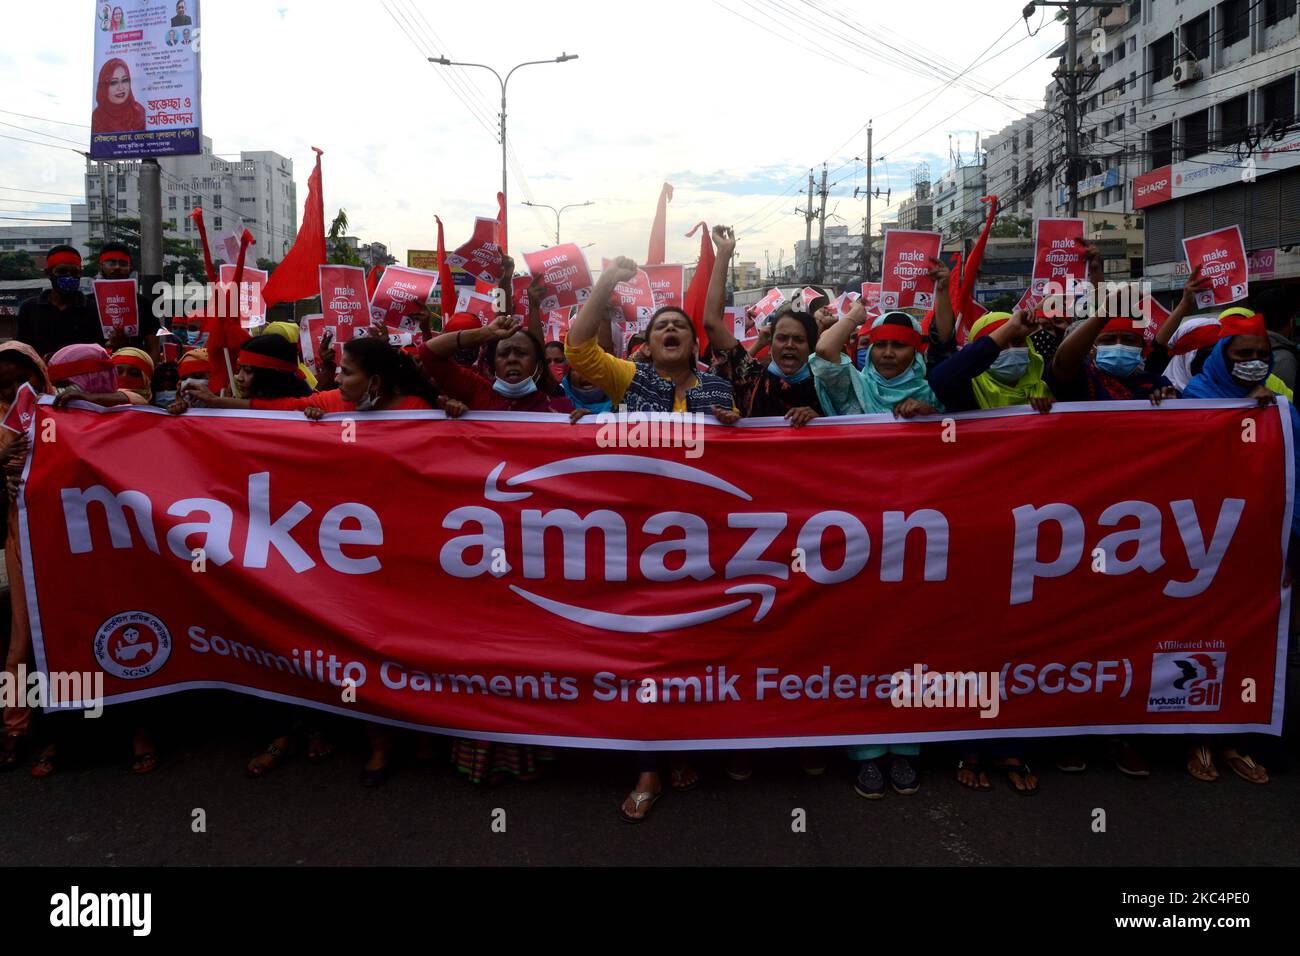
(992, 393)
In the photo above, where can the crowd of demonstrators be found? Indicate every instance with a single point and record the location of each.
(806, 363)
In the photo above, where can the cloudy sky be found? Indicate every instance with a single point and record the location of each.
(729, 100)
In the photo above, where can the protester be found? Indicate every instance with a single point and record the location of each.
(998, 368)
(521, 381)
(784, 385)
(164, 384)
(61, 315)
(114, 262)
(892, 379)
(19, 364)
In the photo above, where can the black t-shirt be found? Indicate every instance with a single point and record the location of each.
(47, 328)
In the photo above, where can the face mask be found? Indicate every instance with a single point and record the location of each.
(588, 396)
(862, 358)
(517, 390)
(1120, 361)
(559, 369)
(367, 402)
(164, 399)
(1255, 371)
(1011, 365)
(67, 284)
(800, 376)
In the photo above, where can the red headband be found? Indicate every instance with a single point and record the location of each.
(135, 362)
(66, 370)
(1231, 325)
(114, 256)
(1202, 337)
(63, 258)
(190, 364)
(887, 332)
(1123, 326)
(257, 360)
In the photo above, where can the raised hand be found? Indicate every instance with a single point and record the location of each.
(940, 273)
(724, 240)
(622, 269)
(503, 326)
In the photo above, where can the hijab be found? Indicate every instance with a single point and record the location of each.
(592, 399)
(139, 360)
(291, 333)
(28, 353)
(1179, 369)
(990, 392)
(115, 118)
(93, 382)
(879, 394)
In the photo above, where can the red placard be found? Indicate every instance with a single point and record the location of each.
(481, 255)
(743, 326)
(871, 292)
(119, 306)
(401, 290)
(252, 307)
(905, 281)
(22, 410)
(345, 306)
(476, 304)
(564, 270)
(845, 302)
(764, 308)
(556, 325)
(668, 284)
(741, 651)
(632, 302)
(1058, 257)
(311, 329)
(1221, 254)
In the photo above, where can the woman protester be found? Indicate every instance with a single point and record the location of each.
(19, 365)
(998, 368)
(521, 381)
(667, 381)
(132, 371)
(1238, 367)
(783, 386)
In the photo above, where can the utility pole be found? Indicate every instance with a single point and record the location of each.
(808, 218)
(866, 233)
(151, 244)
(821, 233)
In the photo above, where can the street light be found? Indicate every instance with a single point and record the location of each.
(443, 61)
(574, 205)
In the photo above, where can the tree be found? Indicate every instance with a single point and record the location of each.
(1003, 303)
(340, 254)
(1010, 227)
(18, 265)
(267, 266)
(178, 254)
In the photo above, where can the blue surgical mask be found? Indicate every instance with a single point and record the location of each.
(517, 390)
(862, 358)
(67, 284)
(799, 376)
(1011, 365)
(164, 399)
(1120, 361)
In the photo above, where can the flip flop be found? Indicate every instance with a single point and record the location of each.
(1023, 770)
(678, 773)
(975, 767)
(1200, 764)
(639, 797)
(1243, 766)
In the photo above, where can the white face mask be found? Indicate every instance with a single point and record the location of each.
(1253, 371)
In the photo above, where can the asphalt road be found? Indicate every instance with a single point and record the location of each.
(92, 812)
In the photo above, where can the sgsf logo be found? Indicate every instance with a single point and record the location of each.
(1186, 682)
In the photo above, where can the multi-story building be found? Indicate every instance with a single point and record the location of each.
(843, 255)
(1016, 157)
(916, 212)
(36, 240)
(256, 191)
(957, 208)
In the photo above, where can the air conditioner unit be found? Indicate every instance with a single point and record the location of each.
(1187, 71)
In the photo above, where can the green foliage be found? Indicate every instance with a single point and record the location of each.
(18, 265)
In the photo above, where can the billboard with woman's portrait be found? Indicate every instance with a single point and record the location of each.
(146, 79)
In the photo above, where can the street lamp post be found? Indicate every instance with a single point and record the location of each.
(573, 205)
(443, 61)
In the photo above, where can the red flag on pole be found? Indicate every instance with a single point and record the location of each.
(225, 333)
(372, 280)
(446, 283)
(693, 301)
(965, 297)
(298, 275)
(197, 216)
(658, 232)
(501, 224)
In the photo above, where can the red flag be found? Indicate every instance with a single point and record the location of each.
(965, 297)
(225, 333)
(446, 283)
(658, 232)
(699, 287)
(372, 280)
(298, 275)
(197, 216)
(501, 224)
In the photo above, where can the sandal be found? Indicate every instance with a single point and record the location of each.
(648, 798)
(1021, 769)
(46, 763)
(1200, 764)
(319, 748)
(278, 756)
(1245, 768)
(973, 766)
(11, 751)
(677, 778)
(146, 762)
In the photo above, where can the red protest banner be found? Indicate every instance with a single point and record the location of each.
(905, 281)
(401, 290)
(343, 301)
(556, 325)
(668, 283)
(252, 307)
(1221, 254)
(632, 302)
(311, 329)
(765, 307)
(476, 304)
(119, 306)
(22, 410)
(564, 270)
(871, 293)
(743, 326)
(481, 255)
(1058, 257)
(322, 582)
